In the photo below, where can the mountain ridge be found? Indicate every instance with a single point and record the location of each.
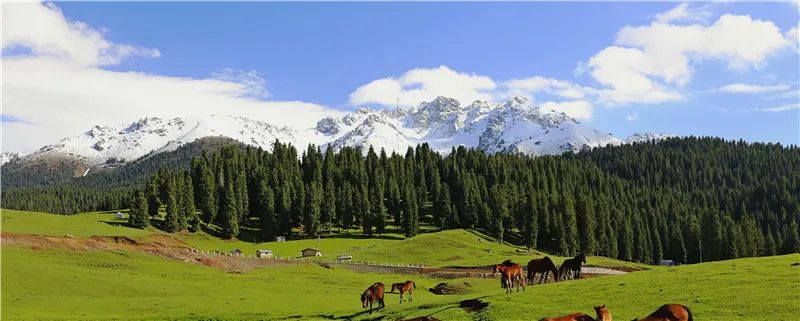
(513, 126)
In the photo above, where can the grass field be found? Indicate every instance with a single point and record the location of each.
(453, 247)
(124, 285)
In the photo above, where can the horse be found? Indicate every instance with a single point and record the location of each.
(373, 293)
(669, 312)
(403, 287)
(572, 267)
(509, 274)
(602, 315)
(544, 266)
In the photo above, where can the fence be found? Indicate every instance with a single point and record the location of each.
(307, 259)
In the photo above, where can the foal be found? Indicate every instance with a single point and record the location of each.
(403, 287)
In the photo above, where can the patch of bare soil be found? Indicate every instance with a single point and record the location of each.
(159, 245)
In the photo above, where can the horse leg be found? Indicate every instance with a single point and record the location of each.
(410, 295)
(370, 307)
(401, 296)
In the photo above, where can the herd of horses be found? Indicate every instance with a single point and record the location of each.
(374, 293)
(511, 275)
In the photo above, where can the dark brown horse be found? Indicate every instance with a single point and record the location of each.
(544, 266)
(602, 315)
(669, 312)
(403, 287)
(373, 293)
(510, 274)
(571, 268)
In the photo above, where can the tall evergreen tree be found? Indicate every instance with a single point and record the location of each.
(138, 216)
(172, 221)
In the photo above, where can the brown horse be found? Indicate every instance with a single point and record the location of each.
(602, 315)
(373, 293)
(669, 312)
(403, 287)
(544, 266)
(509, 274)
(571, 268)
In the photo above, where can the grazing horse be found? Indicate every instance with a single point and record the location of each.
(544, 266)
(509, 274)
(669, 312)
(572, 267)
(403, 287)
(602, 315)
(373, 293)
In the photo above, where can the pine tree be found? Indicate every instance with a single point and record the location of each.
(138, 216)
(189, 218)
(172, 221)
(410, 215)
(312, 210)
(230, 215)
(153, 203)
(499, 200)
(770, 247)
(570, 225)
(791, 242)
(586, 224)
(267, 211)
(208, 195)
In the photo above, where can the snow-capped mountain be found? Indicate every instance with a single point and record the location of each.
(8, 157)
(646, 137)
(513, 126)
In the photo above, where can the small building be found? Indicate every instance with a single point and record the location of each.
(263, 253)
(311, 252)
(280, 239)
(666, 263)
(119, 215)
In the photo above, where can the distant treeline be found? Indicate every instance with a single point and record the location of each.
(685, 199)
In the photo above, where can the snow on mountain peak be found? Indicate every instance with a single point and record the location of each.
(515, 125)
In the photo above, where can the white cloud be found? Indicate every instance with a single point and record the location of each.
(255, 86)
(59, 89)
(42, 28)
(423, 84)
(751, 89)
(632, 117)
(781, 108)
(650, 64)
(578, 109)
(683, 13)
(528, 86)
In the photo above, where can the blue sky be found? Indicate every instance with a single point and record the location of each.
(319, 54)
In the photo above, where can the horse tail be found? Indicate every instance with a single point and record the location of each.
(689, 313)
(414, 284)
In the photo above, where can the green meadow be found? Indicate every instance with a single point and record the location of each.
(55, 284)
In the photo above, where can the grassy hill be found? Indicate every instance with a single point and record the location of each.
(49, 283)
(452, 247)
